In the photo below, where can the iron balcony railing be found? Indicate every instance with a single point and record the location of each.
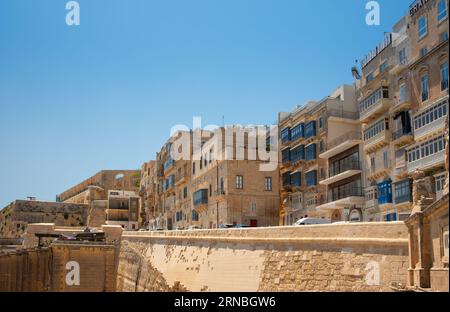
(341, 193)
(345, 165)
(401, 133)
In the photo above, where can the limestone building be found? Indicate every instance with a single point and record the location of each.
(429, 74)
(229, 184)
(328, 128)
(173, 201)
(111, 195)
(403, 101)
(147, 192)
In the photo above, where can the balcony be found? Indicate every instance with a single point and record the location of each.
(347, 197)
(401, 105)
(427, 163)
(371, 200)
(181, 179)
(374, 105)
(341, 114)
(341, 144)
(402, 137)
(378, 172)
(201, 200)
(378, 141)
(431, 129)
(347, 169)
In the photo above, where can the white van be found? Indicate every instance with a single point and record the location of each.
(311, 221)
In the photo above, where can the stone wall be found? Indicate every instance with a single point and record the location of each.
(16, 216)
(98, 266)
(25, 270)
(338, 257)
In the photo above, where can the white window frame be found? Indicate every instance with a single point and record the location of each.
(445, 10)
(423, 28)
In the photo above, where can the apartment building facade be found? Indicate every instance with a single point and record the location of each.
(227, 191)
(403, 101)
(306, 133)
(428, 68)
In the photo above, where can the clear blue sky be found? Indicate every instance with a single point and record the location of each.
(104, 95)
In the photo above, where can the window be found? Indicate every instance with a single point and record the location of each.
(422, 26)
(442, 10)
(286, 179)
(296, 179)
(222, 186)
(210, 155)
(423, 51)
(402, 90)
(386, 159)
(297, 132)
(425, 87)
(402, 56)
(200, 197)
(444, 76)
(210, 190)
(321, 147)
(385, 192)
(383, 67)
(253, 207)
(372, 164)
(268, 184)
(374, 98)
(443, 37)
(239, 182)
(403, 191)
(426, 149)
(320, 122)
(185, 192)
(286, 155)
(285, 135)
(440, 183)
(195, 216)
(436, 112)
(369, 78)
(311, 178)
(311, 152)
(310, 129)
(201, 163)
(193, 167)
(377, 128)
(298, 154)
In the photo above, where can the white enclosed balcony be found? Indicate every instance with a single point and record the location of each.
(427, 163)
(374, 105)
(378, 141)
(431, 129)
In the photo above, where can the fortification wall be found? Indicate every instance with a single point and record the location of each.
(25, 270)
(15, 218)
(339, 257)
